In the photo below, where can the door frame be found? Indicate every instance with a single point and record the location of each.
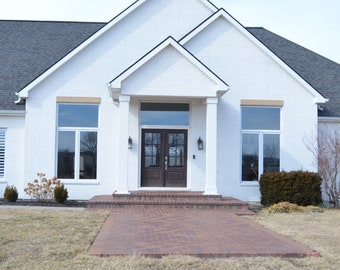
(165, 129)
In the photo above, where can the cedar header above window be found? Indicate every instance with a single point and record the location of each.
(257, 102)
(94, 100)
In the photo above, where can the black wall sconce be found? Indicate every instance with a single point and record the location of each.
(200, 144)
(129, 143)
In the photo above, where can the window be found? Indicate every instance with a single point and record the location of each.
(2, 152)
(164, 114)
(77, 141)
(260, 141)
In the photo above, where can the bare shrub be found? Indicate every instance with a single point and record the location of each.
(326, 152)
(284, 207)
(42, 189)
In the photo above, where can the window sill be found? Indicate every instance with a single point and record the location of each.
(250, 183)
(79, 182)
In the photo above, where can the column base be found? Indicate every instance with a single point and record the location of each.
(122, 190)
(210, 191)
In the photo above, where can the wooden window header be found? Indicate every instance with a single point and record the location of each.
(258, 102)
(94, 100)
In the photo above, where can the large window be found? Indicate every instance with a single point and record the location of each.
(2, 153)
(260, 141)
(77, 141)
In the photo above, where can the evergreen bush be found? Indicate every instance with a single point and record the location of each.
(60, 194)
(298, 187)
(11, 194)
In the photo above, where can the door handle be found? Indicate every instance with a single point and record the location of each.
(166, 162)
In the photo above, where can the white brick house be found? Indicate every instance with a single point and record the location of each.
(127, 107)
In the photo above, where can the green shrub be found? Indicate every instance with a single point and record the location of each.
(60, 194)
(298, 187)
(11, 194)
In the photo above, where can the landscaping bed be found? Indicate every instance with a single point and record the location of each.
(47, 203)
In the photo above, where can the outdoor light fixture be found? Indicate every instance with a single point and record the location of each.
(200, 144)
(130, 143)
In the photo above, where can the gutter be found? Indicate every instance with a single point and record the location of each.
(20, 113)
(325, 119)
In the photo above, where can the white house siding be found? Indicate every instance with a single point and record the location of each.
(14, 156)
(254, 75)
(86, 75)
(250, 72)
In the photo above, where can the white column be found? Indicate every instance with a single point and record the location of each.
(124, 107)
(211, 146)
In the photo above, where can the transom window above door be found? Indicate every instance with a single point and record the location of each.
(164, 114)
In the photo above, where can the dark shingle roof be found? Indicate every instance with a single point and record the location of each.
(320, 72)
(28, 48)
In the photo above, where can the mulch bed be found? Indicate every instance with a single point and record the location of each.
(49, 203)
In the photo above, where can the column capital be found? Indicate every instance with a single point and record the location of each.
(124, 98)
(211, 100)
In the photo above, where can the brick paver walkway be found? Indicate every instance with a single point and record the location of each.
(198, 232)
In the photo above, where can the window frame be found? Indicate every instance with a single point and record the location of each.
(77, 155)
(260, 133)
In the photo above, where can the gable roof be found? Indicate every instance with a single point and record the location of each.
(32, 47)
(221, 13)
(120, 17)
(116, 84)
(320, 72)
(29, 48)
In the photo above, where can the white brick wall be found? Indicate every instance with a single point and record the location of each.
(234, 57)
(14, 156)
(87, 74)
(252, 74)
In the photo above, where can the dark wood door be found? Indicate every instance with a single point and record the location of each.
(164, 158)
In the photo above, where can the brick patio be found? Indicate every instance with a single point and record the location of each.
(198, 232)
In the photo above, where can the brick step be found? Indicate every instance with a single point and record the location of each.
(167, 196)
(169, 200)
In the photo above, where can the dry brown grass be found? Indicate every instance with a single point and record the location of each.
(49, 239)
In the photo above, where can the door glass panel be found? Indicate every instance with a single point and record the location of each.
(176, 151)
(152, 149)
(271, 153)
(250, 157)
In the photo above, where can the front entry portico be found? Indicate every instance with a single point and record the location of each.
(172, 74)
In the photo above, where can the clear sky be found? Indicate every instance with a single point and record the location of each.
(314, 24)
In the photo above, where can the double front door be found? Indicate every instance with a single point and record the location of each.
(164, 158)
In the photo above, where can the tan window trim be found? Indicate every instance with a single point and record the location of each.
(255, 102)
(94, 100)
